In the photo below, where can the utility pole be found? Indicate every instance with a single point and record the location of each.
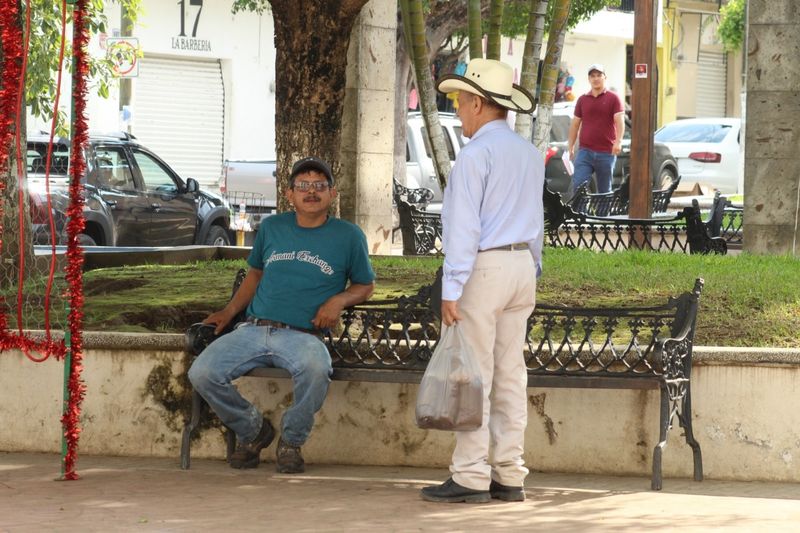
(643, 107)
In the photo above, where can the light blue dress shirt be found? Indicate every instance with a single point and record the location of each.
(493, 198)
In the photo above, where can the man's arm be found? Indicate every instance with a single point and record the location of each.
(619, 126)
(240, 300)
(328, 313)
(574, 128)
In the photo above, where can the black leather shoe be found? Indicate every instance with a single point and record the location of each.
(506, 493)
(452, 492)
(247, 455)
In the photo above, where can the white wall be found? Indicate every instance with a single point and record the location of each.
(244, 44)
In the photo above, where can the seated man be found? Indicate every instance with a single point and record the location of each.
(299, 267)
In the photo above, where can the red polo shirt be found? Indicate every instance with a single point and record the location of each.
(597, 131)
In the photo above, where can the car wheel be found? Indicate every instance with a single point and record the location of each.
(85, 240)
(665, 179)
(217, 236)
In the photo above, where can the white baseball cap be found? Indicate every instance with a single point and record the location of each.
(598, 67)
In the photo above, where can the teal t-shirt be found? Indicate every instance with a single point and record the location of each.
(303, 267)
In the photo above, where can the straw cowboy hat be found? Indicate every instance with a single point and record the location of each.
(493, 80)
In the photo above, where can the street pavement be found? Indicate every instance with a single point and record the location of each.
(153, 494)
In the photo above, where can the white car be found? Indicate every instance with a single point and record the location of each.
(707, 150)
(419, 165)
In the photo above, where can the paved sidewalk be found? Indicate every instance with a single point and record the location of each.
(143, 494)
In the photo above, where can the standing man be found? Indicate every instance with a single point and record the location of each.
(300, 264)
(492, 219)
(598, 124)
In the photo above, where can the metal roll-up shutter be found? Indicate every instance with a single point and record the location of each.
(711, 84)
(179, 107)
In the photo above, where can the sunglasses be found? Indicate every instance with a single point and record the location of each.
(318, 186)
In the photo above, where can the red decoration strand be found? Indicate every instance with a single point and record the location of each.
(74, 274)
(48, 162)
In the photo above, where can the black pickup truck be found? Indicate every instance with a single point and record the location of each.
(132, 197)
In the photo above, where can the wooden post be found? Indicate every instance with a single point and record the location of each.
(643, 107)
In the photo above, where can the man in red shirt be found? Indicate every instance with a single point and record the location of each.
(598, 124)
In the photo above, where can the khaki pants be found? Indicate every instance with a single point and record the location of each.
(494, 307)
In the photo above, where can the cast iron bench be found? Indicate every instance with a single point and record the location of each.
(683, 232)
(421, 231)
(564, 227)
(617, 201)
(637, 347)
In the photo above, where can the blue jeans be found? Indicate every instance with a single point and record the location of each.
(247, 347)
(588, 161)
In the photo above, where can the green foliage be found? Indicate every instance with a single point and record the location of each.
(257, 6)
(43, 55)
(732, 24)
(516, 13)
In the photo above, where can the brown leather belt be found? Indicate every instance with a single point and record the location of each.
(509, 247)
(280, 325)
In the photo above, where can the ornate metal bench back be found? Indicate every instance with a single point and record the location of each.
(621, 342)
(684, 232)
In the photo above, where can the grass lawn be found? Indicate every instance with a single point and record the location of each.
(747, 300)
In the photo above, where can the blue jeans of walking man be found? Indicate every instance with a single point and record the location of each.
(248, 347)
(599, 163)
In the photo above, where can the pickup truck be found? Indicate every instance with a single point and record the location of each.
(251, 190)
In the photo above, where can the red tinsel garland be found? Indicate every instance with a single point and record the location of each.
(74, 272)
(13, 53)
(10, 109)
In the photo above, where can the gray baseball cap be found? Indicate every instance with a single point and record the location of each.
(311, 163)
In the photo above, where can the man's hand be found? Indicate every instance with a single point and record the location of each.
(329, 312)
(572, 152)
(220, 319)
(616, 148)
(450, 312)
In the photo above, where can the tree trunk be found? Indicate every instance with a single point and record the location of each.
(475, 33)
(311, 41)
(530, 60)
(444, 18)
(415, 24)
(555, 44)
(15, 231)
(495, 24)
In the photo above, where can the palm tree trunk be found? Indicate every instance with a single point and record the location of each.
(555, 44)
(475, 37)
(495, 23)
(530, 60)
(418, 48)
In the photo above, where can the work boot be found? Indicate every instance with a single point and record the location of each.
(289, 459)
(247, 454)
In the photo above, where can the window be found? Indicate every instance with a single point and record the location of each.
(447, 142)
(693, 133)
(155, 176)
(111, 169)
(36, 157)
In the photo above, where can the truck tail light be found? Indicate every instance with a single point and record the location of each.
(706, 157)
(38, 209)
(223, 180)
(551, 151)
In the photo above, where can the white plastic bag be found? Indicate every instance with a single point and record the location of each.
(450, 395)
